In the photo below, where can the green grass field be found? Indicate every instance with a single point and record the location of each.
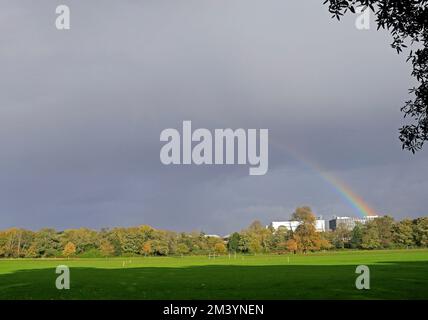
(401, 274)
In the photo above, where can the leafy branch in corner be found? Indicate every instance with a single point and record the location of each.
(407, 21)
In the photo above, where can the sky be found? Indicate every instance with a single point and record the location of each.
(81, 112)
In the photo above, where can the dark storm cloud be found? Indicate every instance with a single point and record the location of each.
(82, 110)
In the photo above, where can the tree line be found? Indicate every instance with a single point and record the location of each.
(132, 241)
(381, 233)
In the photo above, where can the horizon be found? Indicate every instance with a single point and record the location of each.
(221, 234)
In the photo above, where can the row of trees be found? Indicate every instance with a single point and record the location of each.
(382, 233)
(141, 240)
(144, 240)
(258, 239)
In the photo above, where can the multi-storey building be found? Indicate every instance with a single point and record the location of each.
(348, 222)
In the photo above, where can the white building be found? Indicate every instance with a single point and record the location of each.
(212, 236)
(349, 222)
(292, 225)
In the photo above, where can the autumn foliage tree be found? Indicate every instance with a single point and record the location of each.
(182, 249)
(69, 250)
(305, 235)
(106, 248)
(291, 245)
(220, 248)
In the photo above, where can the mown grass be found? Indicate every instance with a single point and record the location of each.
(398, 274)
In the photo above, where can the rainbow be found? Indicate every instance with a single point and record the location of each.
(354, 200)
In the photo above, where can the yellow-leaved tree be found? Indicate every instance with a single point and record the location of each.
(220, 248)
(106, 248)
(69, 249)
